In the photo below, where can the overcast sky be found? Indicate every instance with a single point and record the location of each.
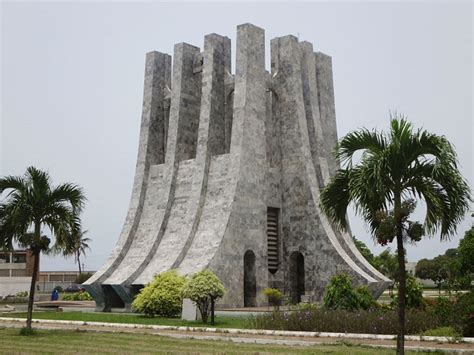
(72, 81)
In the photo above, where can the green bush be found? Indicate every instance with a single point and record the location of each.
(340, 294)
(77, 296)
(442, 332)
(22, 294)
(162, 296)
(414, 294)
(83, 277)
(204, 288)
(274, 296)
(366, 300)
(442, 308)
(464, 313)
(301, 307)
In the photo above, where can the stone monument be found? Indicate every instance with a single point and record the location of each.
(229, 173)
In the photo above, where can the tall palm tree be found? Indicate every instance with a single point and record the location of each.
(395, 168)
(31, 203)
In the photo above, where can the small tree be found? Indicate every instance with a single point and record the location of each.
(31, 203)
(432, 269)
(274, 297)
(162, 296)
(204, 288)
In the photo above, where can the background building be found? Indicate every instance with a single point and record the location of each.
(16, 269)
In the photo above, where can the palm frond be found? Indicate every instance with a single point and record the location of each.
(70, 193)
(336, 197)
(362, 140)
(403, 163)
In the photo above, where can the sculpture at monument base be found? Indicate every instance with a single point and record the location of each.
(229, 173)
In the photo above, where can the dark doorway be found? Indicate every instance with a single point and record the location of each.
(250, 279)
(296, 276)
(111, 298)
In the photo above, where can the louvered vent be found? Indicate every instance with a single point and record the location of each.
(273, 239)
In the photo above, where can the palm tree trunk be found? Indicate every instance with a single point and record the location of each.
(79, 262)
(36, 253)
(401, 279)
(29, 317)
(401, 296)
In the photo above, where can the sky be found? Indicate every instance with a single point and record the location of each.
(72, 84)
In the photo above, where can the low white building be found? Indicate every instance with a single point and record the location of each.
(16, 269)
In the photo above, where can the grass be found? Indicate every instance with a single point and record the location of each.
(62, 341)
(221, 321)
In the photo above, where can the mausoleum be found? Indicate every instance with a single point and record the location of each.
(230, 167)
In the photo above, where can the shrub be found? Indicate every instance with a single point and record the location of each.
(83, 277)
(414, 294)
(77, 296)
(373, 321)
(442, 308)
(204, 288)
(274, 296)
(340, 294)
(22, 294)
(464, 313)
(366, 300)
(442, 332)
(58, 288)
(162, 296)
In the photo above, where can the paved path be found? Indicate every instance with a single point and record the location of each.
(240, 335)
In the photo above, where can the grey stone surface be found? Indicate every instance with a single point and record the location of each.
(216, 151)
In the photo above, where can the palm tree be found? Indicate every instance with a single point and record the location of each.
(78, 248)
(30, 204)
(395, 168)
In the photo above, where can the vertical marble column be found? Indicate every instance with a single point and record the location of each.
(248, 154)
(185, 105)
(150, 151)
(327, 108)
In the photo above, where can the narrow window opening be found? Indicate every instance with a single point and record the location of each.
(273, 238)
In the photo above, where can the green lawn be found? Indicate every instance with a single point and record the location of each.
(221, 321)
(61, 341)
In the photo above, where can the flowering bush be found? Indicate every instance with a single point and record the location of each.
(204, 288)
(162, 296)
